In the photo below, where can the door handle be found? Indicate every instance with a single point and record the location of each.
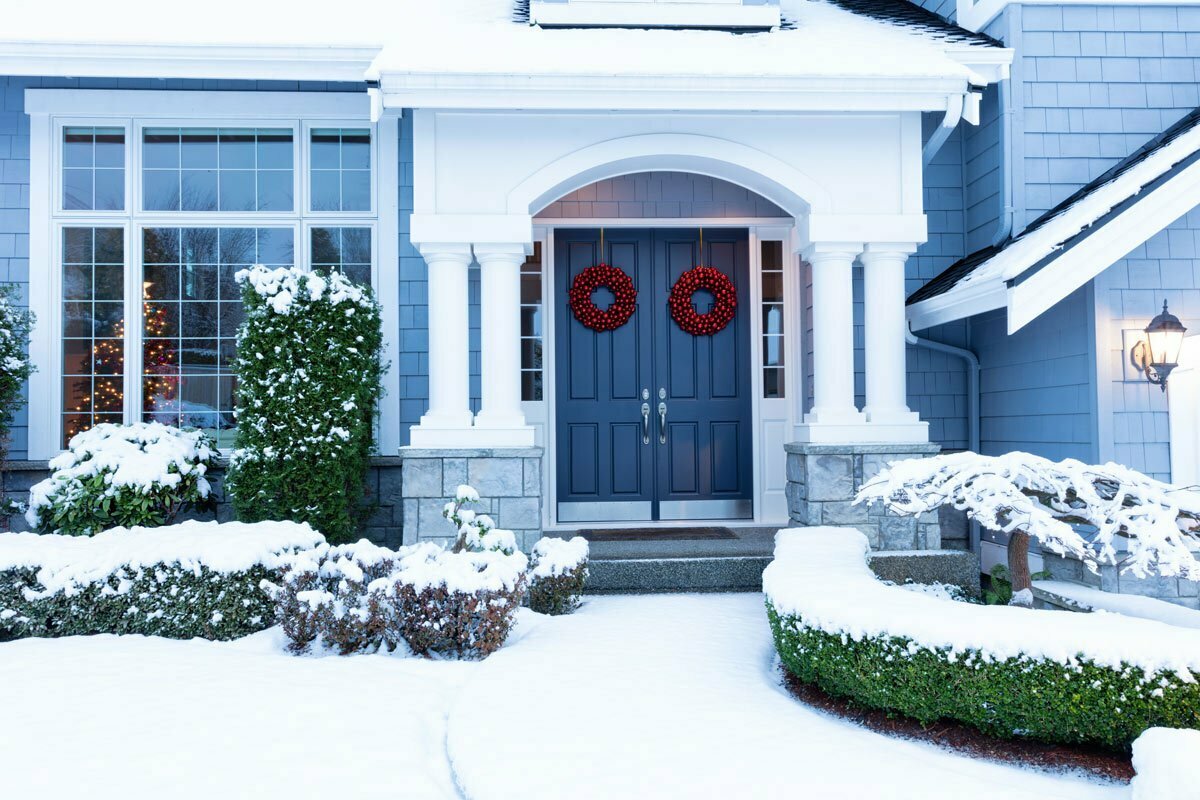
(662, 423)
(645, 423)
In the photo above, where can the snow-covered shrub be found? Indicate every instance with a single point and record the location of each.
(476, 532)
(15, 368)
(122, 475)
(1028, 496)
(558, 571)
(1167, 763)
(1055, 676)
(460, 604)
(324, 597)
(180, 581)
(309, 368)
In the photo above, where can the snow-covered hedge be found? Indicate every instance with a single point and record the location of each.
(1167, 762)
(558, 572)
(458, 603)
(309, 368)
(1050, 675)
(324, 598)
(122, 475)
(362, 597)
(180, 581)
(15, 368)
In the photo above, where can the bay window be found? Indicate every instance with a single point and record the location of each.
(149, 221)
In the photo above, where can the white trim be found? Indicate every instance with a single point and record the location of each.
(1183, 398)
(755, 93)
(52, 109)
(234, 62)
(1104, 244)
(1103, 247)
(760, 228)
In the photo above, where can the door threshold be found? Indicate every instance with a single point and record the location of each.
(571, 527)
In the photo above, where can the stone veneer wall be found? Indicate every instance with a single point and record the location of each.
(822, 480)
(509, 482)
(382, 499)
(1109, 579)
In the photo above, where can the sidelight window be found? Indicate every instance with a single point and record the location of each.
(772, 320)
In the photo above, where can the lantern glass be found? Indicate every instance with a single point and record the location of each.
(1164, 336)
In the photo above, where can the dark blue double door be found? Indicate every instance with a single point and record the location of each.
(653, 423)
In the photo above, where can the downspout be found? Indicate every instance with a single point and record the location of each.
(954, 113)
(972, 362)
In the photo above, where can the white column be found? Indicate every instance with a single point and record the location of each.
(887, 375)
(449, 415)
(500, 420)
(833, 335)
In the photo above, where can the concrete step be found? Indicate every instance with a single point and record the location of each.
(661, 575)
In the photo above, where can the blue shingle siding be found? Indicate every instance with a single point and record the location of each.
(1036, 386)
(14, 212)
(14, 169)
(413, 356)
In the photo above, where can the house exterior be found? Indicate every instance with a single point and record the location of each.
(474, 159)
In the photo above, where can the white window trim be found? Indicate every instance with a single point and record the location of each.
(50, 109)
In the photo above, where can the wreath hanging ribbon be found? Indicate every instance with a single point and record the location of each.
(716, 283)
(616, 281)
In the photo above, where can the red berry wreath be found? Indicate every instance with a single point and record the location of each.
(684, 313)
(616, 281)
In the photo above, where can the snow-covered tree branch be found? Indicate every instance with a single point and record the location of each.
(1028, 496)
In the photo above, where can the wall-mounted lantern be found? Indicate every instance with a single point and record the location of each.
(1158, 353)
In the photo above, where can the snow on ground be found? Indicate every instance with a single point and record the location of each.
(1131, 605)
(674, 696)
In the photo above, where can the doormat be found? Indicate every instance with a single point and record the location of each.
(654, 534)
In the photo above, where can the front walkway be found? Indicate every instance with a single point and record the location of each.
(652, 696)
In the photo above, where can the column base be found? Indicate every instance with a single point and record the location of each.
(823, 479)
(915, 432)
(503, 430)
(508, 479)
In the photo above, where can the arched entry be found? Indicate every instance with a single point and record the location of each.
(699, 450)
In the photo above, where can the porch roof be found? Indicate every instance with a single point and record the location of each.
(891, 39)
(1076, 240)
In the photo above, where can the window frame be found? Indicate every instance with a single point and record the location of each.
(51, 111)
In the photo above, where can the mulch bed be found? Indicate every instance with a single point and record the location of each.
(1093, 761)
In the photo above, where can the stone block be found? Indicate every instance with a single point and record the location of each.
(422, 477)
(391, 484)
(1152, 586)
(533, 477)
(409, 519)
(454, 474)
(1188, 588)
(829, 477)
(519, 513)
(840, 512)
(430, 522)
(929, 536)
(496, 477)
(897, 533)
(795, 468)
(872, 463)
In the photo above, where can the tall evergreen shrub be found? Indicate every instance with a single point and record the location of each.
(15, 368)
(309, 369)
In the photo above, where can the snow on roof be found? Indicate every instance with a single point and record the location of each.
(822, 38)
(1097, 203)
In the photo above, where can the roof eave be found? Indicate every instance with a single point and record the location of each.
(484, 91)
(964, 300)
(182, 61)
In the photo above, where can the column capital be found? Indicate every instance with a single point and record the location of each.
(446, 251)
(821, 251)
(502, 251)
(880, 250)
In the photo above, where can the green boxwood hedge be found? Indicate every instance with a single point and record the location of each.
(171, 601)
(1084, 703)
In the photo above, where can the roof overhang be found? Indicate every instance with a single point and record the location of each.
(232, 62)
(1038, 271)
(667, 93)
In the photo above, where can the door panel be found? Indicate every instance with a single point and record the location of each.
(605, 374)
(703, 469)
(707, 380)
